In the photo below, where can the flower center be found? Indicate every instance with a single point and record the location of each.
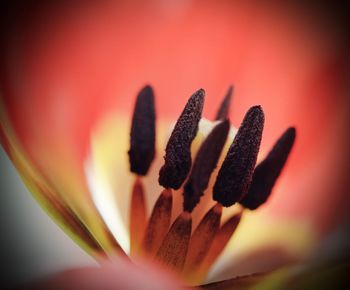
(186, 252)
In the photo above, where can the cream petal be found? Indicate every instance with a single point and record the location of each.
(109, 177)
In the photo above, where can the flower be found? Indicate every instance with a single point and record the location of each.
(190, 256)
(52, 152)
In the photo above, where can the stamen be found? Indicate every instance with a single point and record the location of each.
(219, 243)
(173, 250)
(223, 112)
(267, 172)
(142, 136)
(173, 246)
(202, 239)
(236, 172)
(138, 216)
(158, 224)
(178, 155)
(204, 164)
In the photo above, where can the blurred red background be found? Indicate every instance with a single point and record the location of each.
(65, 65)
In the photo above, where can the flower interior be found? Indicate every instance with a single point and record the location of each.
(190, 252)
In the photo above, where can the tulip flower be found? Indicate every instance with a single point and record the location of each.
(226, 200)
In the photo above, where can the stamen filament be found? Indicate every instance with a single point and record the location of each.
(138, 216)
(172, 252)
(158, 224)
(201, 241)
(219, 243)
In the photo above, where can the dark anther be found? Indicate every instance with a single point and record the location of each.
(235, 174)
(142, 135)
(223, 112)
(267, 172)
(204, 164)
(178, 150)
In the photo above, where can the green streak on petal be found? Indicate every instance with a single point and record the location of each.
(274, 280)
(50, 199)
(40, 191)
(238, 283)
